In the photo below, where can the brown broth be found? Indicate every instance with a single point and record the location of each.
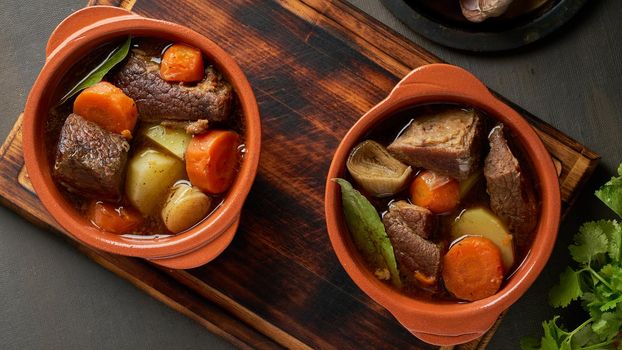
(153, 226)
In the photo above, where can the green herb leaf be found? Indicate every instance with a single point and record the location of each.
(613, 274)
(584, 336)
(611, 193)
(589, 242)
(567, 290)
(551, 339)
(610, 305)
(529, 343)
(607, 326)
(368, 231)
(613, 231)
(595, 302)
(96, 75)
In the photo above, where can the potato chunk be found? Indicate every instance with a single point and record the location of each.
(150, 174)
(482, 222)
(172, 140)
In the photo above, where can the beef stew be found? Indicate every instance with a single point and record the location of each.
(153, 147)
(462, 221)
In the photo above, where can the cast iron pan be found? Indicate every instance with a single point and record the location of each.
(525, 22)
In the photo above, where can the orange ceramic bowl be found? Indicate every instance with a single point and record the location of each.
(443, 322)
(72, 40)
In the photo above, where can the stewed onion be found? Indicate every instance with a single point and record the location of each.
(374, 169)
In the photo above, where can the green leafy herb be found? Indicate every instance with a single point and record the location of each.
(597, 282)
(567, 290)
(96, 75)
(611, 193)
(589, 242)
(368, 232)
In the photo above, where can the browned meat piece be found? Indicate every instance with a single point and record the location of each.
(417, 219)
(158, 100)
(193, 128)
(90, 161)
(448, 142)
(511, 196)
(407, 226)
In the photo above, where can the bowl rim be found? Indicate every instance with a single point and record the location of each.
(445, 314)
(66, 56)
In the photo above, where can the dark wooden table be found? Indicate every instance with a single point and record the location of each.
(53, 297)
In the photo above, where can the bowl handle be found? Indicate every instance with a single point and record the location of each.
(439, 79)
(446, 330)
(202, 255)
(447, 340)
(79, 20)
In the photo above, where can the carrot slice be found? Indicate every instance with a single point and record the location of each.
(425, 279)
(107, 106)
(438, 193)
(114, 218)
(473, 269)
(182, 63)
(212, 160)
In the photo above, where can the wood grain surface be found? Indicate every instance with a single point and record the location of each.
(316, 67)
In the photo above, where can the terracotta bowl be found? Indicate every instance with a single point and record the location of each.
(74, 38)
(443, 322)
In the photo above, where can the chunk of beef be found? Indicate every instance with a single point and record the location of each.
(415, 218)
(90, 161)
(511, 196)
(157, 99)
(448, 142)
(407, 226)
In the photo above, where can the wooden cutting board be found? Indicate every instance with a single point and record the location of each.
(316, 66)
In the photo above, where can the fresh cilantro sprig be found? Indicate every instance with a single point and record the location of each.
(596, 282)
(610, 193)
